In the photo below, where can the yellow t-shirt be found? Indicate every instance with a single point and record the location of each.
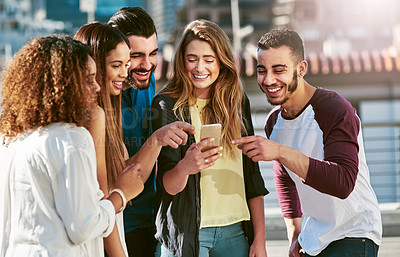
(223, 199)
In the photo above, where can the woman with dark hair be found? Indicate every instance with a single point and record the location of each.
(50, 203)
(111, 50)
(207, 199)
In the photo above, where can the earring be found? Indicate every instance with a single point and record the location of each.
(301, 73)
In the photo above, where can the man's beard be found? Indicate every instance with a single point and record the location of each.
(130, 82)
(291, 88)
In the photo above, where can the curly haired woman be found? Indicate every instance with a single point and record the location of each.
(50, 203)
(207, 199)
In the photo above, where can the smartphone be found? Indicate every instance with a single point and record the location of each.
(211, 130)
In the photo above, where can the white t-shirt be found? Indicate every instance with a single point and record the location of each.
(329, 132)
(50, 201)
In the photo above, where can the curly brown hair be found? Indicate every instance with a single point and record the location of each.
(44, 83)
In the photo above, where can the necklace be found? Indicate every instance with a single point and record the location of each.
(200, 110)
(199, 105)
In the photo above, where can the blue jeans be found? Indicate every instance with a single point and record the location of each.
(217, 242)
(350, 247)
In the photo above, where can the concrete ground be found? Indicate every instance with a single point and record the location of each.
(277, 244)
(390, 247)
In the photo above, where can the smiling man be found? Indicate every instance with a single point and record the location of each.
(320, 170)
(140, 87)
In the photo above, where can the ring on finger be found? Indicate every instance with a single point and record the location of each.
(206, 161)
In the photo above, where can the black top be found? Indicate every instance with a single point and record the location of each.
(178, 216)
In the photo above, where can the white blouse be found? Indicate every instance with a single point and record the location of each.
(50, 201)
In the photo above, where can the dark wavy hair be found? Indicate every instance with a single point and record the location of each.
(283, 37)
(44, 83)
(101, 39)
(133, 21)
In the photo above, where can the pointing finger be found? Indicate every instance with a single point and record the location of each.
(185, 127)
(243, 140)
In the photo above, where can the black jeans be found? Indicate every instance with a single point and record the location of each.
(350, 247)
(141, 242)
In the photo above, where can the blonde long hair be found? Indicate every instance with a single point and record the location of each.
(101, 39)
(226, 93)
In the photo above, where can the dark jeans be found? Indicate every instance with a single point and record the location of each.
(224, 241)
(350, 247)
(141, 242)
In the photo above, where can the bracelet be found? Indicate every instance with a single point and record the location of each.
(119, 191)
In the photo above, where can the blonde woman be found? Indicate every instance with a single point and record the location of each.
(111, 52)
(206, 199)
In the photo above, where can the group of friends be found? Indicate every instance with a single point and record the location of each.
(94, 162)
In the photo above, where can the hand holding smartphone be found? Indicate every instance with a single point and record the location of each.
(213, 131)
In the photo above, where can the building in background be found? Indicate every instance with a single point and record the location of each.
(254, 14)
(106, 8)
(164, 14)
(67, 11)
(345, 25)
(22, 20)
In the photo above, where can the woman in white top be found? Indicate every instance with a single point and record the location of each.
(50, 201)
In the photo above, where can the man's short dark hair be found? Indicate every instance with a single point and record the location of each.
(283, 37)
(133, 21)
